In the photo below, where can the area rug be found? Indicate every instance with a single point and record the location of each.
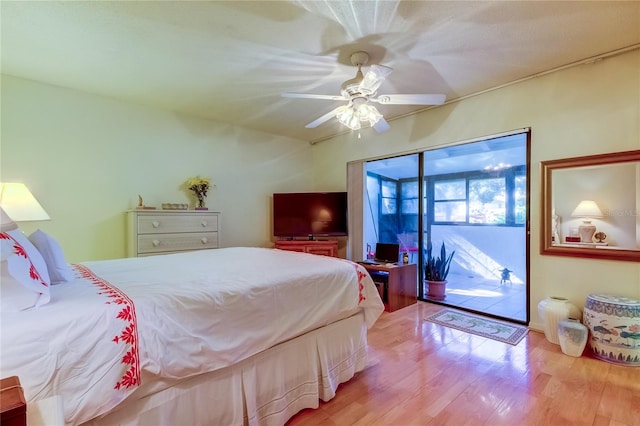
(481, 326)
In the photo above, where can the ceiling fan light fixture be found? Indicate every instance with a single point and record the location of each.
(347, 116)
(353, 115)
(366, 112)
(361, 90)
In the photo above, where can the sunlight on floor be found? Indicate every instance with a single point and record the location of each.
(476, 293)
(488, 296)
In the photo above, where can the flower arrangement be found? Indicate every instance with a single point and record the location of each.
(199, 185)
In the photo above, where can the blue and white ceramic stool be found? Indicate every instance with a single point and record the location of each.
(614, 328)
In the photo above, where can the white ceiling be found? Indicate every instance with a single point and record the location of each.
(230, 60)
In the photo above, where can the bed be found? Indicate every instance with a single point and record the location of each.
(229, 336)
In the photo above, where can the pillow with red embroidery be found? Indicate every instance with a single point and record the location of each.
(59, 270)
(24, 275)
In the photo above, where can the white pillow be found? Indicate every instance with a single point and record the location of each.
(59, 270)
(14, 296)
(21, 262)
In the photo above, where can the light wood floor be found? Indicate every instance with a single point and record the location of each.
(420, 373)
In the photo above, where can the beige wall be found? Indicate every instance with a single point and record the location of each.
(86, 159)
(588, 109)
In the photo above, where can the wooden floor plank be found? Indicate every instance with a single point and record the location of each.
(421, 373)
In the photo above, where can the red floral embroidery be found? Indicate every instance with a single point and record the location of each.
(129, 334)
(361, 274)
(125, 314)
(20, 251)
(130, 378)
(129, 358)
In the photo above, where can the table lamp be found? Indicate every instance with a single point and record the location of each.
(587, 209)
(19, 204)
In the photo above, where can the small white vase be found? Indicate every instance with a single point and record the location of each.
(573, 336)
(552, 310)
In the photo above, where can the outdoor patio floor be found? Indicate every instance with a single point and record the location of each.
(507, 300)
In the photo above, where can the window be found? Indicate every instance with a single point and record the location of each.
(389, 195)
(487, 201)
(409, 194)
(482, 198)
(520, 198)
(450, 200)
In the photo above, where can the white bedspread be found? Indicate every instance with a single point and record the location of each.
(196, 312)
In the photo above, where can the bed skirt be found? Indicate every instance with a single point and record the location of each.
(265, 389)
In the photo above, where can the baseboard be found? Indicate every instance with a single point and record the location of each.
(536, 327)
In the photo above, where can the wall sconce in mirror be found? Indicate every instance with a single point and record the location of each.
(591, 206)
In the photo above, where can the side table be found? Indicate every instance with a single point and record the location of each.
(400, 283)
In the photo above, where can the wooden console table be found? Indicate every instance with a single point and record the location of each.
(323, 247)
(401, 284)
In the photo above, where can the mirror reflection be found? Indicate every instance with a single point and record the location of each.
(591, 206)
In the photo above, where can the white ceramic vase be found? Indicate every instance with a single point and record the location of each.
(573, 336)
(552, 310)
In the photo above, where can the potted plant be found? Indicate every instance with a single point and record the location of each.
(436, 270)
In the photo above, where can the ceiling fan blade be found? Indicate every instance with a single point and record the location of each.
(313, 96)
(413, 99)
(381, 125)
(374, 77)
(320, 120)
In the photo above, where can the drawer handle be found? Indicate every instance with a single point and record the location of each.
(155, 243)
(155, 223)
(204, 223)
(204, 240)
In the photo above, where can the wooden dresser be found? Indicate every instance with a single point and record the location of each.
(326, 248)
(151, 232)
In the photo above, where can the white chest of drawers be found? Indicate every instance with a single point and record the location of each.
(151, 232)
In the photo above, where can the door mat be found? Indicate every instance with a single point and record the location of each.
(481, 326)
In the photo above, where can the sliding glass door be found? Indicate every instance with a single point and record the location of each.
(474, 198)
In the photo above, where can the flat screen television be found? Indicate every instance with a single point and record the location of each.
(309, 214)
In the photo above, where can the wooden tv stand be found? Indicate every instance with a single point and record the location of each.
(402, 284)
(323, 247)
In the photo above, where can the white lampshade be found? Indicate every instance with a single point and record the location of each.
(587, 208)
(19, 204)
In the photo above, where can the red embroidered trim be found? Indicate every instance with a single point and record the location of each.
(20, 251)
(129, 335)
(361, 275)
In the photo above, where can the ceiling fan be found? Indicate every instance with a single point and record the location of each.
(359, 92)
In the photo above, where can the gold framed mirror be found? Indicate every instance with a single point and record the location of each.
(591, 206)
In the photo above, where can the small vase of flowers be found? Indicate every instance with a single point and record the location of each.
(199, 185)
